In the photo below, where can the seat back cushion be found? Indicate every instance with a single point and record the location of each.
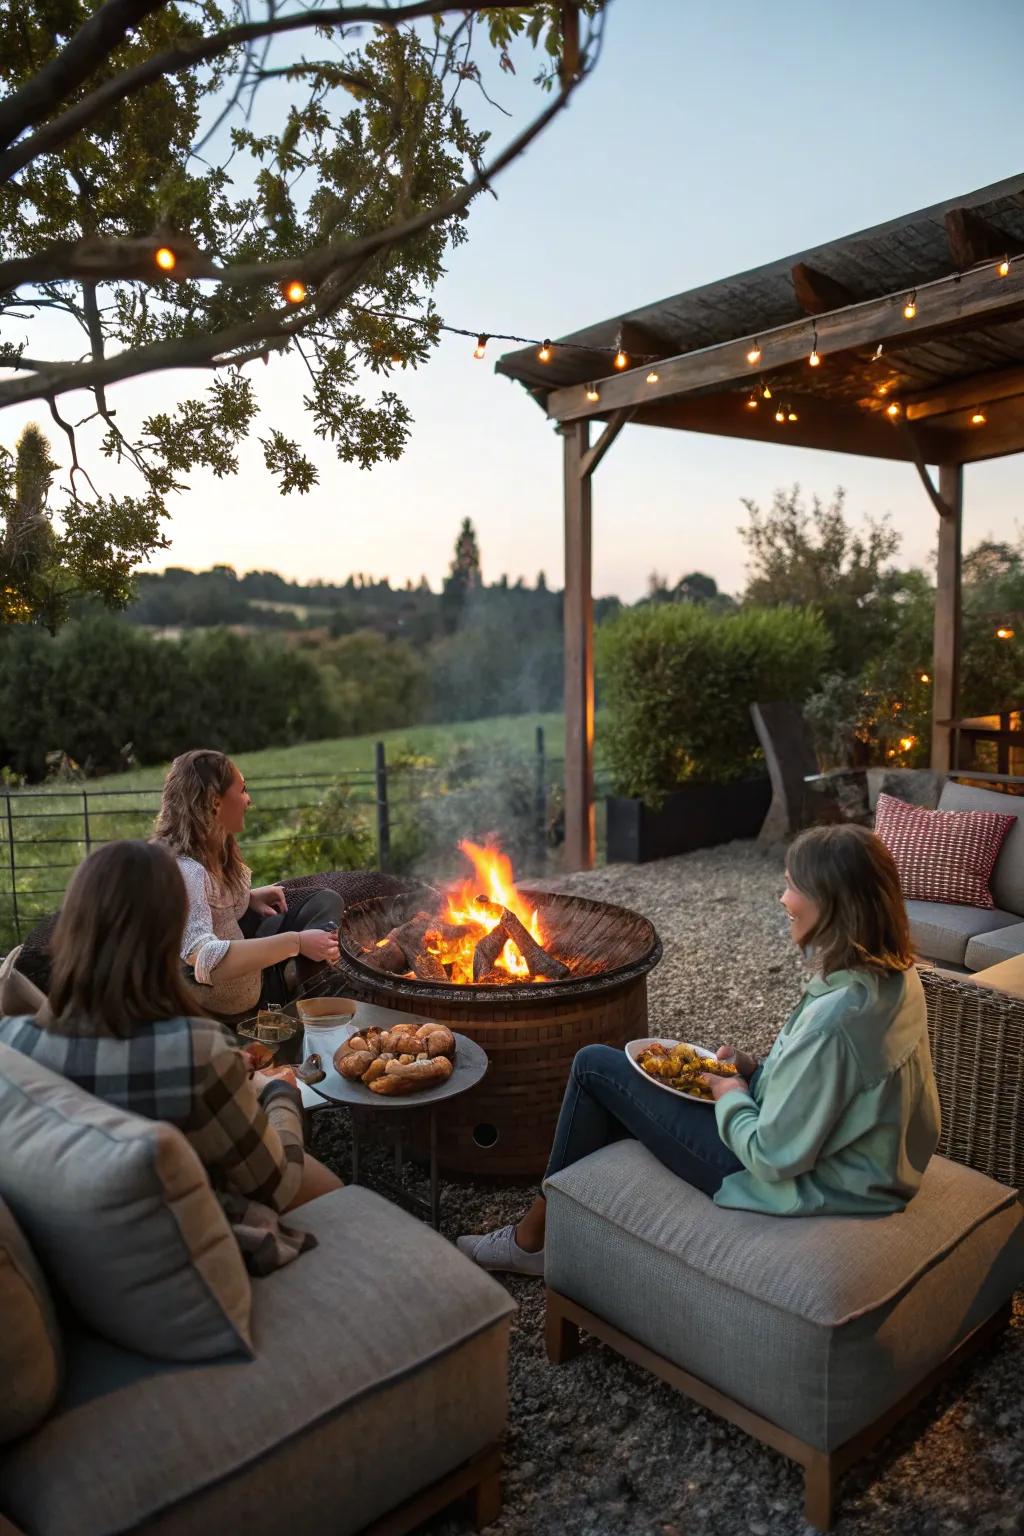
(943, 855)
(1007, 880)
(31, 1356)
(121, 1214)
(18, 995)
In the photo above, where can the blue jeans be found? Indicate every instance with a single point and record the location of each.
(606, 1099)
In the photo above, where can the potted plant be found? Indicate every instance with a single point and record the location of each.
(677, 685)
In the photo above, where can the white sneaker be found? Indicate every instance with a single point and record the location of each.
(499, 1250)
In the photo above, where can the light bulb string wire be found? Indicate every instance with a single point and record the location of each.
(478, 334)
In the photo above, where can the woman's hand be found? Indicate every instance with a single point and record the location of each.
(744, 1063)
(256, 1056)
(319, 944)
(265, 900)
(720, 1086)
(273, 1075)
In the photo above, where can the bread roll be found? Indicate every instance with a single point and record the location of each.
(354, 1064)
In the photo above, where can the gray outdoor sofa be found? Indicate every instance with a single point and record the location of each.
(973, 938)
(149, 1386)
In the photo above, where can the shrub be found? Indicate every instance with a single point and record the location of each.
(335, 834)
(678, 682)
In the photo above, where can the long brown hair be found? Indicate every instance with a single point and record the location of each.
(187, 820)
(117, 944)
(849, 873)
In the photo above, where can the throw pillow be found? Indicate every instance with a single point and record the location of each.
(31, 1357)
(18, 995)
(942, 855)
(121, 1214)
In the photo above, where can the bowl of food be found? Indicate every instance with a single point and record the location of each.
(678, 1066)
(271, 1026)
(324, 1012)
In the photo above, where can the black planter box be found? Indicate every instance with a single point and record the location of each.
(695, 816)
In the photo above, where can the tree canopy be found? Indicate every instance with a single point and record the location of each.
(154, 217)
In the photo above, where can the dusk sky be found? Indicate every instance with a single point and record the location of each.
(711, 139)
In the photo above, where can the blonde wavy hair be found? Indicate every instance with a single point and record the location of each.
(187, 821)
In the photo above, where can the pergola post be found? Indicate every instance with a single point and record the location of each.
(946, 642)
(578, 637)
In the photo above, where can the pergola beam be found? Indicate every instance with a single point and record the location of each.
(578, 640)
(593, 456)
(972, 238)
(962, 395)
(816, 292)
(946, 638)
(976, 296)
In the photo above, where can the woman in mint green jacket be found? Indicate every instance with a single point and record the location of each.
(841, 1117)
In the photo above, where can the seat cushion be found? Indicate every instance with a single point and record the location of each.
(943, 855)
(1006, 976)
(380, 1366)
(31, 1354)
(992, 948)
(834, 1317)
(939, 931)
(121, 1215)
(1007, 881)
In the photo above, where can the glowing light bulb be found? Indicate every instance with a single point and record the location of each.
(792, 415)
(877, 358)
(924, 678)
(780, 414)
(544, 354)
(754, 355)
(1004, 632)
(766, 393)
(1004, 267)
(481, 347)
(652, 377)
(814, 360)
(621, 360)
(892, 410)
(165, 259)
(978, 418)
(294, 290)
(752, 402)
(910, 307)
(906, 742)
(593, 393)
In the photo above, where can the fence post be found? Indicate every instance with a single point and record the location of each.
(540, 801)
(383, 823)
(85, 822)
(14, 869)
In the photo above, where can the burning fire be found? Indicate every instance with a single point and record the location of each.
(476, 906)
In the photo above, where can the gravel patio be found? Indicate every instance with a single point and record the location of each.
(597, 1445)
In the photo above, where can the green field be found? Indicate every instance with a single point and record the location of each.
(53, 826)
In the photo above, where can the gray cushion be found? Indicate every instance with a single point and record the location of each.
(383, 1336)
(121, 1214)
(993, 948)
(31, 1355)
(1007, 882)
(18, 995)
(940, 930)
(833, 1318)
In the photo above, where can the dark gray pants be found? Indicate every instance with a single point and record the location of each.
(317, 909)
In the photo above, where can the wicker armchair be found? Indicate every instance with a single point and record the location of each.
(977, 1040)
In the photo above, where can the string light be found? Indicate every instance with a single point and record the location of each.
(481, 346)
(924, 678)
(294, 290)
(544, 355)
(791, 415)
(978, 418)
(814, 360)
(892, 410)
(165, 259)
(766, 393)
(754, 355)
(1004, 267)
(780, 414)
(877, 358)
(906, 742)
(621, 358)
(593, 393)
(652, 377)
(910, 307)
(1004, 632)
(752, 401)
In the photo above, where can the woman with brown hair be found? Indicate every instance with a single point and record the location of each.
(202, 814)
(117, 1023)
(842, 1116)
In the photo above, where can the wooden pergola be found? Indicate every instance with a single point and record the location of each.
(918, 325)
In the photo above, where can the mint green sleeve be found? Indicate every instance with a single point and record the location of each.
(802, 1097)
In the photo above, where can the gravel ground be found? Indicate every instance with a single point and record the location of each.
(598, 1446)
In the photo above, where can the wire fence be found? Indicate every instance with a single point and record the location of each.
(46, 833)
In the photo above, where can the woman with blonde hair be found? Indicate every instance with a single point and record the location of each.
(118, 1023)
(841, 1117)
(202, 814)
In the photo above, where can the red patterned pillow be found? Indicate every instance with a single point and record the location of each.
(942, 855)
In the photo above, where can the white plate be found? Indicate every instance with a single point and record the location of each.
(636, 1048)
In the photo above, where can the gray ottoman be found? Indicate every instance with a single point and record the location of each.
(845, 1322)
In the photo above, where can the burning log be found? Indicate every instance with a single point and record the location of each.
(538, 961)
(397, 951)
(487, 951)
(428, 967)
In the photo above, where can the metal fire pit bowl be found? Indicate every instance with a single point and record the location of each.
(530, 1030)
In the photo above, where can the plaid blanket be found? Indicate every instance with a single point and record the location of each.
(189, 1073)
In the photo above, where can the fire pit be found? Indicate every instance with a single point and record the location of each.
(530, 975)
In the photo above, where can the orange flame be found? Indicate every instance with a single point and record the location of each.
(472, 906)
